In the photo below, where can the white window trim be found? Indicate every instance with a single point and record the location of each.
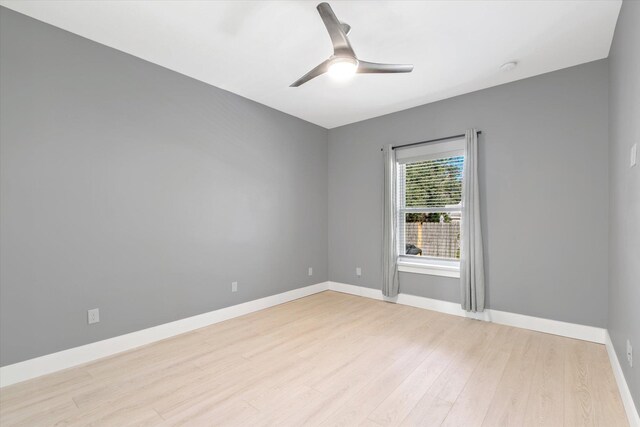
(426, 265)
(431, 151)
(429, 266)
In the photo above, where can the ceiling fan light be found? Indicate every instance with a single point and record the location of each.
(343, 69)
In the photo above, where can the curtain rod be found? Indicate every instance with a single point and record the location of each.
(431, 140)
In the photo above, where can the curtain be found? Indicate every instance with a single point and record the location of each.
(471, 258)
(390, 284)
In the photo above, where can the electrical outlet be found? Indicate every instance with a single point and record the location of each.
(358, 271)
(310, 271)
(234, 286)
(634, 155)
(93, 316)
(629, 353)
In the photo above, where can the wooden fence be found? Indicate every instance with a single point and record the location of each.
(435, 239)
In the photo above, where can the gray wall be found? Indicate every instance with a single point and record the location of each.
(543, 178)
(624, 229)
(132, 188)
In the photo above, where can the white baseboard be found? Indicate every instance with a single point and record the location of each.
(625, 393)
(556, 327)
(64, 359)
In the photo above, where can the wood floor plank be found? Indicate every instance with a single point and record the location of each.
(509, 402)
(429, 411)
(545, 405)
(472, 403)
(578, 382)
(465, 355)
(402, 400)
(358, 408)
(333, 359)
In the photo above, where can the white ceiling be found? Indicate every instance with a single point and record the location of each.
(256, 49)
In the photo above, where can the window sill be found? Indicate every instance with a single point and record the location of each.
(428, 268)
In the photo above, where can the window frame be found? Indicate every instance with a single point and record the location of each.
(424, 264)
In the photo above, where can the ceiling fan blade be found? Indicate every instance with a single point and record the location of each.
(315, 72)
(373, 67)
(341, 45)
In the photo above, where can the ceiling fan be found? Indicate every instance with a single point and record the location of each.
(343, 62)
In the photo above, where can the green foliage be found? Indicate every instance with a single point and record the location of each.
(427, 217)
(433, 183)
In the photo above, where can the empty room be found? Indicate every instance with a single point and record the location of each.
(305, 213)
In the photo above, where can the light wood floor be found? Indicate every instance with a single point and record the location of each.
(334, 359)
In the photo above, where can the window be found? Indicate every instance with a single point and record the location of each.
(429, 208)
